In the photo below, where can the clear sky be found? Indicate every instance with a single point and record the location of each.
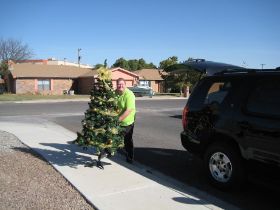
(240, 32)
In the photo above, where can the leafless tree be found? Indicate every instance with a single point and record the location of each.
(12, 49)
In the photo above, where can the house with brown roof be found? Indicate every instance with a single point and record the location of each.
(58, 79)
(152, 78)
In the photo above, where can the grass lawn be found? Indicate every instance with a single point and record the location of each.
(22, 97)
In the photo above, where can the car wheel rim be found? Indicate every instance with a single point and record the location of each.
(220, 167)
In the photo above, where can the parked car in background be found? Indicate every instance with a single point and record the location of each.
(232, 118)
(142, 91)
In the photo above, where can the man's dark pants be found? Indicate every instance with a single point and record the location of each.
(128, 141)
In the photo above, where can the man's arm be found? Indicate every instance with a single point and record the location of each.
(125, 114)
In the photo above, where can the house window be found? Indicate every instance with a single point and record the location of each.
(44, 84)
(144, 83)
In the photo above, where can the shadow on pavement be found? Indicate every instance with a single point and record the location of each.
(186, 200)
(176, 116)
(65, 155)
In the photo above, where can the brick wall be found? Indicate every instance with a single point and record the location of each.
(59, 85)
(30, 86)
(23, 86)
(154, 86)
(85, 84)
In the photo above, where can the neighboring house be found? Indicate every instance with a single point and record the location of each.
(58, 79)
(152, 78)
(87, 79)
(130, 77)
(53, 61)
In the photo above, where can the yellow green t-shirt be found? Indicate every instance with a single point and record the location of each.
(127, 101)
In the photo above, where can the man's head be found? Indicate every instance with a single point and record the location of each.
(121, 85)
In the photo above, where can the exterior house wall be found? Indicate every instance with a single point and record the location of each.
(59, 85)
(25, 86)
(160, 86)
(130, 79)
(85, 84)
(154, 86)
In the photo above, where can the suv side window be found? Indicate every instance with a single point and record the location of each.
(264, 100)
(217, 93)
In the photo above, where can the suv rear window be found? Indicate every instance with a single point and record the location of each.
(264, 99)
(217, 93)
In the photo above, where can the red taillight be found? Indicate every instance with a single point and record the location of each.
(185, 117)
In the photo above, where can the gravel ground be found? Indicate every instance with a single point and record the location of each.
(29, 182)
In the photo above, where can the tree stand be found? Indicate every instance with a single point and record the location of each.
(104, 153)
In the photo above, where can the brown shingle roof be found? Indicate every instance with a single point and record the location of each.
(48, 71)
(90, 73)
(149, 74)
(28, 70)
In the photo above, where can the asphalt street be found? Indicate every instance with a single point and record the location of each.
(157, 145)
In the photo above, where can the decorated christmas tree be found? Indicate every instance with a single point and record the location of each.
(101, 127)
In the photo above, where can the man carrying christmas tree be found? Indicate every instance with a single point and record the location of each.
(126, 104)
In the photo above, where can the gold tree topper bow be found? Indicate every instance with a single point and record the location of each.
(104, 73)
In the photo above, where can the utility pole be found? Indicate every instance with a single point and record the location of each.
(79, 57)
(262, 64)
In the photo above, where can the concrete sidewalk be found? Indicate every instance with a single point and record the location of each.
(119, 186)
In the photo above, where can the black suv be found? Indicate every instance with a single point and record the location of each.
(232, 115)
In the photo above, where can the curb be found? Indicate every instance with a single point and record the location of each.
(87, 100)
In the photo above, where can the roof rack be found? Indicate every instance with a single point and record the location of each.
(197, 60)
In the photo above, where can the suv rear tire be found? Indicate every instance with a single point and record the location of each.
(224, 166)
